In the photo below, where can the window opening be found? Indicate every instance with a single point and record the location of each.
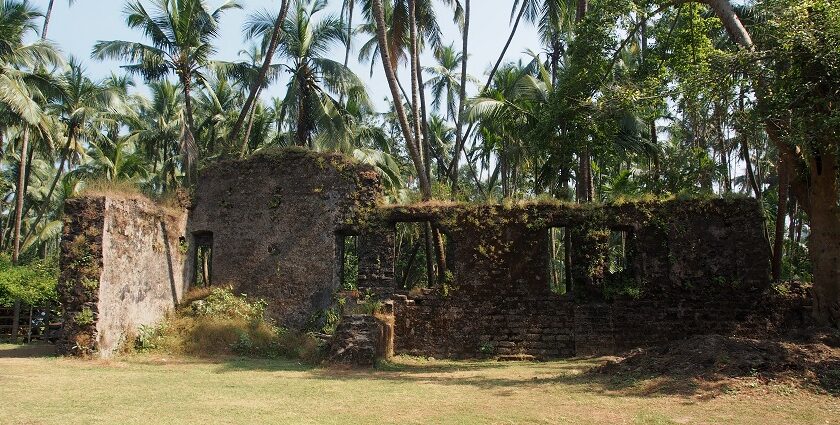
(418, 263)
(203, 259)
(349, 255)
(560, 260)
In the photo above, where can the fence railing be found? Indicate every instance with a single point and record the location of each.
(28, 323)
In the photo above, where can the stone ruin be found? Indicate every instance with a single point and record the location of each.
(274, 227)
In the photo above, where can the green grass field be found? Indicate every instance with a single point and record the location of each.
(151, 389)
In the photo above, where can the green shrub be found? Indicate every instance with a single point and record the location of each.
(217, 322)
(223, 303)
(32, 283)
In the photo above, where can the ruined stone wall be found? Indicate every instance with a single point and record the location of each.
(276, 219)
(123, 266)
(144, 253)
(695, 267)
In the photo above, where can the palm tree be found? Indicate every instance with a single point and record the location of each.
(80, 101)
(22, 91)
(249, 74)
(259, 81)
(157, 132)
(48, 15)
(181, 32)
(314, 77)
(378, 14)
(117, 160)
(445, 82)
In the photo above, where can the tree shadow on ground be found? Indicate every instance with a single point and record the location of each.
(696, 367)
(24, 351)
(487, 375)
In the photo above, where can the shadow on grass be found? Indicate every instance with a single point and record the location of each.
(487, 375)
(25, 351)
(584, 375)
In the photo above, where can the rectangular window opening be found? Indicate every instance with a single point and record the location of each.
(560, 260)
(203, 259)
(619, 253)
(419, 264)
(349, 266)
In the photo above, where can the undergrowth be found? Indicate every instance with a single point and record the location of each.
(217, 322)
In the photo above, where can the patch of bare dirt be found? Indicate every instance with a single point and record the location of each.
(809, 359)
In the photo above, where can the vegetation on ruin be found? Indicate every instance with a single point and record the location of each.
(213, 322)
(145, 388)
(624, 99)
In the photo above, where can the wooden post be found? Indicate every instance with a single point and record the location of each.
(15, 321)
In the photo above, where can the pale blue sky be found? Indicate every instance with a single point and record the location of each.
(75, 29)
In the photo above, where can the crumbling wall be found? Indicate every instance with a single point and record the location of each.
(81, 269)
(123, 266)
(144, 253)
(276, 219)
(695, 267)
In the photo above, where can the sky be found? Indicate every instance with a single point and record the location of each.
(75, 29)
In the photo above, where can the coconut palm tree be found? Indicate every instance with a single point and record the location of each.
(157, 132)
(181, 34)
(23, 92)
(79, 103)
(315, 79)
(48, 16)
(445, 82)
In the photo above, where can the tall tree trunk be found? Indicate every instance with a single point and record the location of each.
(189, 148)
(585, 190)
(390, 76)
(415, 72)
(424, 121)
(794, 212)
(507, 46)
(781, 213)
(260, 80)
(657, 166)
(71, 135)
(460, 137)
(251, 121)
(47, 18)
(20, 193)
(350, 5)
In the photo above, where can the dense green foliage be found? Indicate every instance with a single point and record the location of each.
(32, 284)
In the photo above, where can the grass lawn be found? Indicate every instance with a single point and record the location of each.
(151, 389)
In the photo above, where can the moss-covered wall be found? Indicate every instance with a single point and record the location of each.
(122, 267)
(275, 220)
(277, 217)
(685, 256)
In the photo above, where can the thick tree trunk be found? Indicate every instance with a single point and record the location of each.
(260, 81)
(20, 193)
(390, 76)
